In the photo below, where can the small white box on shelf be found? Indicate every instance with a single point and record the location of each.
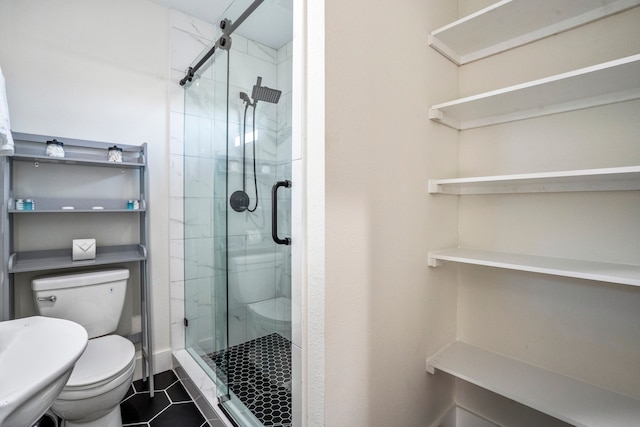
(83, 249)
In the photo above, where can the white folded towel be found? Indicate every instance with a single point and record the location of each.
(6, 139)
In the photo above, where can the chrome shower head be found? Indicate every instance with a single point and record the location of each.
(263, 93)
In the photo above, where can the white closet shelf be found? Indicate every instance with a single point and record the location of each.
(563, 397)
(624, 274)
(511, 23)
(606, 179)
(601, 84)
(20, 262)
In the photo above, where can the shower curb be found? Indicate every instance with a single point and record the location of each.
(200, 387)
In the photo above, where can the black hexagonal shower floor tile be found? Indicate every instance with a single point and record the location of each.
(259, 374)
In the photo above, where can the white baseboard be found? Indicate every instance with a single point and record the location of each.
(161, 362)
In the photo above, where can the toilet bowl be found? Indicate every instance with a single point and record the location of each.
(98, 383)
(104, 372)
(269, 316)
(253, 282)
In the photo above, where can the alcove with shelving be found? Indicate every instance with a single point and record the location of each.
(548, 261)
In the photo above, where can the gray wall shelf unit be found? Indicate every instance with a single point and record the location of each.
(62, 202)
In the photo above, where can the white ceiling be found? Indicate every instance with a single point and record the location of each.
(270, 24)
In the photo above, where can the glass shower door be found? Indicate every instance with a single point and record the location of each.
(258, 359)
(237, 278)
(205, 221)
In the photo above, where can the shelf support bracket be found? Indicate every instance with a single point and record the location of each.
(430, 368)
(433, 261)
(434, 187)
(436, 115)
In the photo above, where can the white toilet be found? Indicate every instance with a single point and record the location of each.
(103, 374)
(253, 280)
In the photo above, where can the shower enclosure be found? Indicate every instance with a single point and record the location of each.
(237, 212)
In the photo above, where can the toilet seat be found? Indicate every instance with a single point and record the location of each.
(105, 364)
(275, 310)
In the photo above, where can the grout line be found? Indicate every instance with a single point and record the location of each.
(158, 414)
(190, 397)
(129, 397)
(171, 403)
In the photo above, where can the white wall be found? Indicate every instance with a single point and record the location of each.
(97, 70)
(385, 311)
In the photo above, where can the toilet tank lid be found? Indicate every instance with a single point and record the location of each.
(79, 279)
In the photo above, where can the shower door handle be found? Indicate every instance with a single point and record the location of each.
(274, 212)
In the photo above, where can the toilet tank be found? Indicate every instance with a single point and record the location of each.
(93, 299)
(254, 277)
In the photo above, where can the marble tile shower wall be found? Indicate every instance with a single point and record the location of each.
(193, 160)
(189, 37)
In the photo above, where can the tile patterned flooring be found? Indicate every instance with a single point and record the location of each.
(171, 405)
(259, 374)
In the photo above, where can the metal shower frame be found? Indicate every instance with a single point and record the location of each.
(224, 42)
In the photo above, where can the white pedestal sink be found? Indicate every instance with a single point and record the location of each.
(37, 355)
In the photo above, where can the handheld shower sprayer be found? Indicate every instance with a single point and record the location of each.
(246, 99)
(240, 199)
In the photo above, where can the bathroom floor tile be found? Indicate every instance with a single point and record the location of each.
(140, 407)
(171, 405)
(130, 392)
(178, 394)
(161, 381)
(180, 414)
